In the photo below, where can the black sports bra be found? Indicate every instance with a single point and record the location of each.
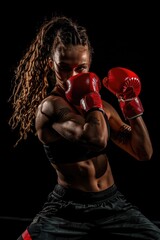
(64, 151)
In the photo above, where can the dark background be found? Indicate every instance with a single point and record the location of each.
(121, 35)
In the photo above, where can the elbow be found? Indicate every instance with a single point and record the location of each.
(149, 155)
(146, 155)
(149, 152)
(98, 143)
(96, 140)
(102, 142)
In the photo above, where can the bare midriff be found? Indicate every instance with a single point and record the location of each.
(91, 175)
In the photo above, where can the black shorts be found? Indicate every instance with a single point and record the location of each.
(73, 214)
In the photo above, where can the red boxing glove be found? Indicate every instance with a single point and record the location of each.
(83, 90)
(126, 85)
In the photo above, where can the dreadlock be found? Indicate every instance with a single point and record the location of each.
(33, 76)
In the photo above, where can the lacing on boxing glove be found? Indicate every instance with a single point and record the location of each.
(126, 85)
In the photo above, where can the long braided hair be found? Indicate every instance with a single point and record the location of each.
(33, 76)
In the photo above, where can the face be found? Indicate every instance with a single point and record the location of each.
(69, 62)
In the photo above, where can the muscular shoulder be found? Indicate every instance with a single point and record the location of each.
(51, 105)
(48, 105)
(54, 109)
(47, 110)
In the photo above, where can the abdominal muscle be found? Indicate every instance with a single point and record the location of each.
(91, 175)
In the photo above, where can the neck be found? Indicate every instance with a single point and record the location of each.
(59, 90)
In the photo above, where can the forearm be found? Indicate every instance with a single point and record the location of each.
(126, 86)
(83, 91)
(95, 130)
(90, 131)
(140, 140)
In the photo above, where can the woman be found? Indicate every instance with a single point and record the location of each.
(56, 95)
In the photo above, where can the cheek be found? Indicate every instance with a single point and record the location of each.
(61, 75)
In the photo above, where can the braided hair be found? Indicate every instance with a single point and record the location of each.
(33, 76)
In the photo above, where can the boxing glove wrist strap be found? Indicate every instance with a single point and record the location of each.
(96, 109)
(131, 108)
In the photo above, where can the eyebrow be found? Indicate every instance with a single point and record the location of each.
(67, 64)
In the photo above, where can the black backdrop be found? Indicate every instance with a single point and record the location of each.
(122, 35)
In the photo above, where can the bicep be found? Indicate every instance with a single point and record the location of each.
(71, 127)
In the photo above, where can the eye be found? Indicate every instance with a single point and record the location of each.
(81, 68)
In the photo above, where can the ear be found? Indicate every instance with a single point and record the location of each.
(50, 63)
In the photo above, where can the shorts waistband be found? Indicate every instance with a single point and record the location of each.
(83, 197)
